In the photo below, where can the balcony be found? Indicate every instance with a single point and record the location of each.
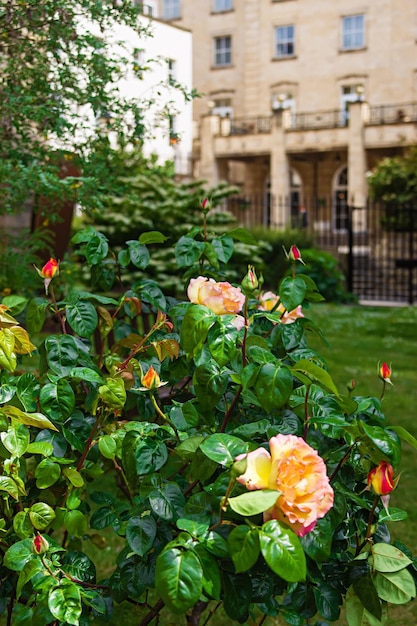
(392, 114)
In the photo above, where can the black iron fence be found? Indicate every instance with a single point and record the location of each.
(393, 113)
(376, 245)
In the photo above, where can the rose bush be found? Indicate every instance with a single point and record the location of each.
(219, 458)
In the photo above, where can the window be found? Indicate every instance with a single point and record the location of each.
(222, 5)
(222, 51)
(223, 107)
(353, 32)
(340, 200)
(171, 71)
(172, 9)
(349, 93)
(284, 41)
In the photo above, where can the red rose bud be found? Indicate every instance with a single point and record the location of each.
(385, 373)
(381, 479)
(151, 379)
(295, 254)
(351, 385)
(40, 545)
(205, 205)
(49, 269)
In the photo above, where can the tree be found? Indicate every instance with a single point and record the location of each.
(394, 179)
(57, 69)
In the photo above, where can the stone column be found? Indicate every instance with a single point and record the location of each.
(357, 186)
(210, 127)
(279, 174)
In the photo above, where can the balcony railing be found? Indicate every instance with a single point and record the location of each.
(250, 126)
(393, 113)
(318, 119)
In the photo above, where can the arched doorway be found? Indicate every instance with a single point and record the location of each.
(340, 211)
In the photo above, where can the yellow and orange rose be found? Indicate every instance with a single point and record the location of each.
(295, 469)
(221, 298)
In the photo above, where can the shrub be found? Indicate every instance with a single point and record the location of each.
(205, 435)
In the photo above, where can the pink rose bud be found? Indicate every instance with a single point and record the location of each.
(385, 373)
(40, 545)
(50, 268)
(381, 479)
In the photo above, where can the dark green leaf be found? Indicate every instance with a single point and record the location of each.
(244, 548)
(178, 579)
(273, 386)
(292, 292)
(82, 317)
(282, 551)
(140, 534)
(223, 448)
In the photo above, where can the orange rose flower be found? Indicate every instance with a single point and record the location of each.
(49, 270)
(221, 298)
(295, 470)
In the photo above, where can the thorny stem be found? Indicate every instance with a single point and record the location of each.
(384, 384)
(369, 527)
(57, 311)
(230, 409)
(211, 613)
(152, 613)
(306, 415)
(341, 462)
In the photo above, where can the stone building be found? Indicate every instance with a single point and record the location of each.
(300, 98)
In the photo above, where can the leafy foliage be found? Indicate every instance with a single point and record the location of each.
(394, 179)
(175, 439)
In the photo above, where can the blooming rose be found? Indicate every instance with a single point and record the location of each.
(295, 470)
(221, 298)
(269, 299)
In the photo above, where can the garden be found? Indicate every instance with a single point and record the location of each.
(198, 424)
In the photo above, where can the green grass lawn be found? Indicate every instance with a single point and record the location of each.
(360, 337)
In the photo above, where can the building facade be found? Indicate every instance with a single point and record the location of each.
(300, 98)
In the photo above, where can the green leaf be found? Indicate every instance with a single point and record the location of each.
(29, 419)
(167, 502)
(152, 236)
(273, 386)
(57, 400)
(76, 523)
(194, 328)
(139, 254)
(140, 534)
(27, 391)
(368, 595)
(87, 374)
(113, 393)
(382, 441)
(211, 256)
(18, 555)
(282, 551)
(142, 455)
(211, 572)
(80, 566)
(292, 292)
(8, 484)
(16, 439)
(64, 602)
(210, 383)
(47, 473)
(315, 374)
(188, 251)
(152, 294)
(223, 448)
(240, 234)
(16, 304)
(405, 435)
(356, 613)
(41, 515)
(388, 558)
(36, 315)
(73, 476)
(222, 340)
(237, 591)
(107, 446)
(61, 353)
(395, 587)
(244, 547)
(82, 317)
(31, 569)
(178, 579)
(328, 601)
(224, 247)
(254, 502)
(96, 249)
(394, 515)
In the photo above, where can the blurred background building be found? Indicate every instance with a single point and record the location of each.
(299, 99)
